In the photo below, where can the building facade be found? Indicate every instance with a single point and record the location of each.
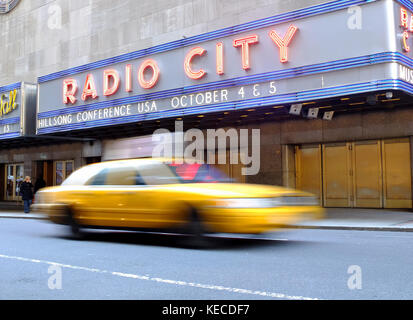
(327, 84)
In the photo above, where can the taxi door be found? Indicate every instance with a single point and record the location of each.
(153, 205)
(110, 197)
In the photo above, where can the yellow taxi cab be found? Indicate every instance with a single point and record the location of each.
(159, 194)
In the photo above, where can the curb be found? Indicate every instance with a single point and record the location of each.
(389, 229)
(23, 217)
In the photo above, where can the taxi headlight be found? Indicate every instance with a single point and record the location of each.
(298, 201)
(247, 203)
(283, 201)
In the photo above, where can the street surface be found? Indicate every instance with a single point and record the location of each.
(39, 261)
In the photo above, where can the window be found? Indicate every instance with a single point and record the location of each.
(155, 173)
(62, 170)
(117, 176)
(14, 177)
(121, 176)
(196, 173)
(99, 179)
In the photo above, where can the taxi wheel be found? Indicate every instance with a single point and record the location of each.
(197, 232)
(74, 228)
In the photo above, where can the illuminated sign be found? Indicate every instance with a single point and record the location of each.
(8, 102)
(406, 23)
(266, 89)
(148, 72)
(10, 115)
(17, 110)
(405, 74)
(268, 62)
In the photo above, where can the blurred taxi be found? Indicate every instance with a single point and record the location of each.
(157, 194)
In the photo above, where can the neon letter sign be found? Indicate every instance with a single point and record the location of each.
(128, 71)
(245, 50)
(147, 84)
(89, 89)
(107, 75)
(403, 17)
(198, 51)
(69, 90)
(284, 42)
(220, 58)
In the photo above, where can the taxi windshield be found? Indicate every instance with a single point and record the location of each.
(198, 173)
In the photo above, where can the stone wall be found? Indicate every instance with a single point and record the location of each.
(40, 37)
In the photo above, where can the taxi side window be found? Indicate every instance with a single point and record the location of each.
(99, 179)
(121, 176)
(139, 180)
(157, 174)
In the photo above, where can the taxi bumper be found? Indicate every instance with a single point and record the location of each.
(256, 221)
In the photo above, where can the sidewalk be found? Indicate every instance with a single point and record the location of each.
(336, 219)
(363, 219)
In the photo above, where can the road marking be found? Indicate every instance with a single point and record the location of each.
(161, 280)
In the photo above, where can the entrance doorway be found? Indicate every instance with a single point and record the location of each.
(363, 174)
(308, 169)
(14, 177)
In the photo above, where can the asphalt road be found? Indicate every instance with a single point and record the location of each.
(39, 261)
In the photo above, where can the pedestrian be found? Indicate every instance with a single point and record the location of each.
(40, 183)
(26, 191)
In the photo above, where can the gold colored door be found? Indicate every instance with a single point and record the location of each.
(308, 169)
(230, 168)
(366, 172)
(236, 168)
(397, 176)
(337, 186)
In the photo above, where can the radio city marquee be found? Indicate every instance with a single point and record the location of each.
(169, 80)
(176, 102)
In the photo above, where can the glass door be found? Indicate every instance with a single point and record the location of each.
(14, 177)
(62, 169)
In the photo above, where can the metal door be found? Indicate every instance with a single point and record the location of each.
(337, 186)
(308, 169)
(366, 172)
(230, 168)
(397, 176)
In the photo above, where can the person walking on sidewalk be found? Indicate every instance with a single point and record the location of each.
(26, 191)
